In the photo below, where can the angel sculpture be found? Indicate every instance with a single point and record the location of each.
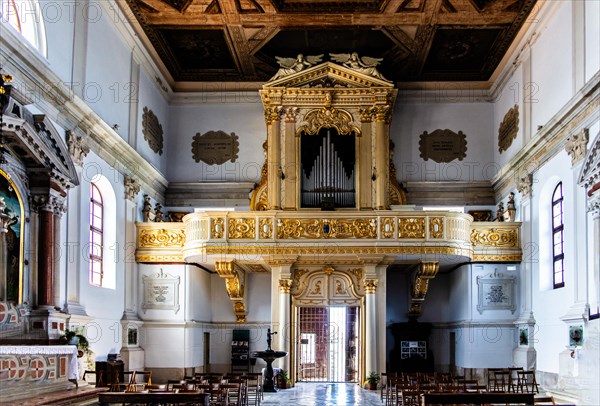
(366, 64)
(291, 65)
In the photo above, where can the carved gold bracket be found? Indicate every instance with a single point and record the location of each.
(259, 199)
(235, 280)
(420, 285)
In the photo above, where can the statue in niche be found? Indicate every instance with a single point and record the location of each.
(291, 65)
(366, 64)
(147, 210)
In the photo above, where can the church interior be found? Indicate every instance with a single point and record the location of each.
(333, 192)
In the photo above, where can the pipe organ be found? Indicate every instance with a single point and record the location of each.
(326, 178)
(327, 141)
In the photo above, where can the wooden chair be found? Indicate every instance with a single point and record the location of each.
(97, 377)
(253, 390)
(172, 382)
(526, 382)
(514, 378)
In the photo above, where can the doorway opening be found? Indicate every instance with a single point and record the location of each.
(328, 344)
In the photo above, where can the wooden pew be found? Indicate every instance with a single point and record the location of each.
(153, 398)
(478, 398)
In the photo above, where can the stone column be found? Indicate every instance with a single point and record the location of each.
(594, 208)
(381, 156)
(285, 330)
(273, 119)
(49, 222)
(364, 193)
(132, 188)
(524, 355)
(74, 240)
(370, 326)
(291, 180)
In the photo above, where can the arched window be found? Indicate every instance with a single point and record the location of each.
(25, 16)
(558, 253)
(96, 236)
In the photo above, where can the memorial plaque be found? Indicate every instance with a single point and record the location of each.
(153, 132)
(496, 292)
(508, 129)
(443, 146)
(161, 292)
(215, 147)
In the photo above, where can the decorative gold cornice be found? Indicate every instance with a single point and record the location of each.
(366, 114)
(371, 286)
(285, 286)
(330, 117)
(153, 238)
(291, 114)
(158, 259)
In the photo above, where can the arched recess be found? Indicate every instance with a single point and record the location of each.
(315, 294)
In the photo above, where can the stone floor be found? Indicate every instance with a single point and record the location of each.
(323, 394)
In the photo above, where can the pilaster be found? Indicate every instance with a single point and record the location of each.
(132, 188)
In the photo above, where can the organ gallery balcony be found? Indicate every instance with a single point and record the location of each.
(252, 237)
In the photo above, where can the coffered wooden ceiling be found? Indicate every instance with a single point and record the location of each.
(420, 40)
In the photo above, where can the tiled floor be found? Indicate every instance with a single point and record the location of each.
(323, 394)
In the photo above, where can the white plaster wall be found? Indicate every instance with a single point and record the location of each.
(552, 67)
(511, 95)
(473, 119)
(149, 96)
(548, 303)
(246, 120)
(198, 295)
(104, 305)
(58, 21)
(108, 89)
(592, 38)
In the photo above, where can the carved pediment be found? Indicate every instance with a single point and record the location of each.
(329, 75)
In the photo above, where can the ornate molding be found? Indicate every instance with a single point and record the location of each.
(291, 113)
(382, 113)
(436, 227)
(239, 228)
(159, 238)
(326, 228)
(420, 286)
(273, 114)
(152, 130)
(411, 227)
(495, 237)
(576, 146)
(259, 201)
(508, 129)
(525, 185)
(388, 225)
(77, 147)
(235, 280)
(371, 286)
(217, 227)
(132, 187)
(326, 117)
(52, 203)
(285, 286)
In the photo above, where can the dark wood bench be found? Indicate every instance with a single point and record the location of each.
(154, 398)
(478, 398)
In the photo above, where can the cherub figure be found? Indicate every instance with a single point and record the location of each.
(291, 65)
(366, 64)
